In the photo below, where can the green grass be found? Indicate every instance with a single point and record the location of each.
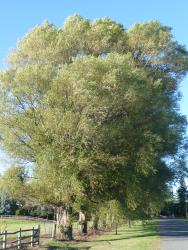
(12, 225)
(138, 237)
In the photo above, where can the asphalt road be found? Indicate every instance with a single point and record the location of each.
(174, 234)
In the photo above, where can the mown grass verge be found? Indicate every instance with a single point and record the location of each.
(138, 237)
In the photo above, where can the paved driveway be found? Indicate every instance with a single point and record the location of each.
(174, 234)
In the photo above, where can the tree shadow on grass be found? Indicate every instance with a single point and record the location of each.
(129, 237)
(128, 231)
(67, 248)
(142, 228)
(146, 234)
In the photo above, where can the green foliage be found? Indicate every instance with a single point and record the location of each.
(19, 212)
(13, 182)
(182, 197)
(111, 213)
(95, 109)
(7, 204)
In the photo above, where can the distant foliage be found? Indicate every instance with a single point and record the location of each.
(7, 204)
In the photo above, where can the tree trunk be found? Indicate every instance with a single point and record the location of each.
(95, 220)
(63, 221)
(84, 227)
(129, 223)
(67, 234)
(104, 225)
(83, 222)
(116, 228)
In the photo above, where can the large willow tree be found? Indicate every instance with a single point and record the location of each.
(94, 108)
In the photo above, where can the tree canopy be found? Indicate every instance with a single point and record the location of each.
(94, 108)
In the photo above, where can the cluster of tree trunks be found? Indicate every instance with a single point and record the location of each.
(63, 221)
(83, 222)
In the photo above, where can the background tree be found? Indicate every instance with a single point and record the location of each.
(182, 197)
(8, 206)
(13, 183)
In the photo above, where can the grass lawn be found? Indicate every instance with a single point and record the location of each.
(12, 225)
(137, 237)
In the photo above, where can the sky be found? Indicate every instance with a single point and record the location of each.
(20, 16)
